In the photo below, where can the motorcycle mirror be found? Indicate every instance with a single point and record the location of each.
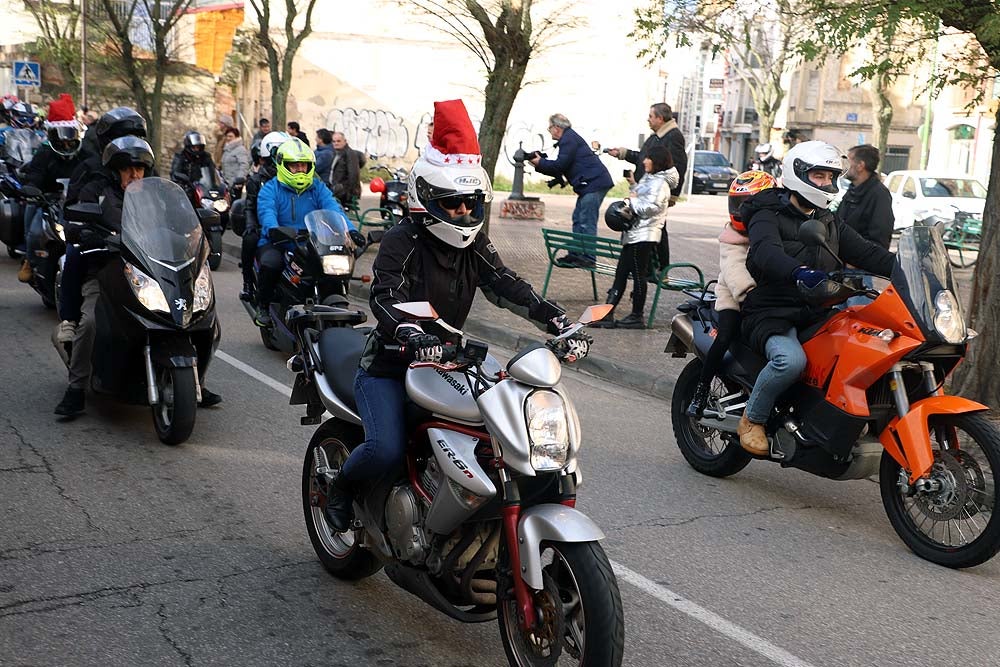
(417, 310)
(594, 313)
(813, 233)
(377, 185)
(83, 212)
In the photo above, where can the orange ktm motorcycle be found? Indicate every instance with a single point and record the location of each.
(869, 401)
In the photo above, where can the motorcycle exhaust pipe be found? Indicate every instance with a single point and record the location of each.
(681, 339)
(151, 392)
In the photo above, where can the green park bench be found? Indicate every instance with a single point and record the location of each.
(606, 252)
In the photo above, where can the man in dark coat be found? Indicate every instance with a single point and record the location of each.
(345, 170)
(665, 133)
(586, 174)
(867, 204)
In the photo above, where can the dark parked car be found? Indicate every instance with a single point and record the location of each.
(712, 172)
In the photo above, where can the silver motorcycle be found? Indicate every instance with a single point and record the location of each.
(481, 523)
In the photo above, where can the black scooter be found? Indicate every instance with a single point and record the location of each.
(211, 193)
(156, 324)
(46, 243)
(11, 214)
(393, 203)
(319, 262)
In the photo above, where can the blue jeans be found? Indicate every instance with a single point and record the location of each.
(586, 212)
(868, 282)
(785, 362)
(380, 405)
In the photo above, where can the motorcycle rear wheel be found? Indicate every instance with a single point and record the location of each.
(214, 261)
(340, 553)
(173, 416)
(12, 251)
(956, 526)
(580, 609)
(709, 451)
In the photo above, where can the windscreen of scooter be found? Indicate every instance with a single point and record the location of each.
(210, 179)
(20, 144)
(328, 231)
(922, 272)
(158, 222)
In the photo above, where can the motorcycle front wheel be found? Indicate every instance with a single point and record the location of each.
(955, 524)
(173, 416)
(709, 451)
(579, 611)
(341, 554)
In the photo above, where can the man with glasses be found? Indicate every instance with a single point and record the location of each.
(578, 164)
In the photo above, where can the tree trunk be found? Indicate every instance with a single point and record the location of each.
(279, 102)
(882, 112)
(976, 377)
(502, 86)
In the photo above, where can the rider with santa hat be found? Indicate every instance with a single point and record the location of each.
(437, 254)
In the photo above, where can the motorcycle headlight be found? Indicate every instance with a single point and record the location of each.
(203, 289)
(545, 414)
(146, 289)
(948, 317)
(220, 205)
(336, 265)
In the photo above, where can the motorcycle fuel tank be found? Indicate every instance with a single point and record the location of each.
(444, 393)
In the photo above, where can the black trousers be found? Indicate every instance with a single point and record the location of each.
(271, 264)
(725, 334)
(248, 252)
(634, 262)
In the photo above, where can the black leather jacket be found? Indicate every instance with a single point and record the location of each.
(255, 181)
(775, 304)
(413, 265)
(47, 167)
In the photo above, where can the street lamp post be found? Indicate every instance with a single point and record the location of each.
(83, 53)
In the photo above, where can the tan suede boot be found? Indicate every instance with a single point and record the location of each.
(24, 273)
(753, 438)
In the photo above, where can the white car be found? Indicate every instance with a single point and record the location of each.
(918, 194)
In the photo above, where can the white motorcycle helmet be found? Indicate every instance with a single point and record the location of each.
(269, 144)
(764, 151)
(808, 156)
(435, 190)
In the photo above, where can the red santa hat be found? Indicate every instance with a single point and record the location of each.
(454, 141)
(62, 112)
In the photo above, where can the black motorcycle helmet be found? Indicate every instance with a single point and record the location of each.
(618, 217)
(126, 151)
(194, 144)
(64, 140)
(119, 122)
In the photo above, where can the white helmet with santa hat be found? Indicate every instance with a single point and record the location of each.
(449, 179)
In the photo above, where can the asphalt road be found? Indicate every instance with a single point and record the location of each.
(118, 550)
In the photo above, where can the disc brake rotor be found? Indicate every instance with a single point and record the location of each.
(950, 500)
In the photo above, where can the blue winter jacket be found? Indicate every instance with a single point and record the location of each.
(577, 163)
(324, 160)
(279, 206)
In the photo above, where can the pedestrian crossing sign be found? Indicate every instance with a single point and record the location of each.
(27, 74)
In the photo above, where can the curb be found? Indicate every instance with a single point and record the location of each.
(605, 368)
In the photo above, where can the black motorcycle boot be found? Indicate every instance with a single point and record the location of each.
(608, 321)
(72, 402)
(698, 402)
(631, 321)
(339, 510)
(209, 398)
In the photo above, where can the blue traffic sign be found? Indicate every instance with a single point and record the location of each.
(27, 74)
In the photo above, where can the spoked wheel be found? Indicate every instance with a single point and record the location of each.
(708, 450)
(579, 612)
(342, 554)
(174, 415)
(953, 522)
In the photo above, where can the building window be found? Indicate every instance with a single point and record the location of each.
(812, 91)
(896, 158)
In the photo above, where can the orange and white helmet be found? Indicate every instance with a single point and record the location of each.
(743, 187)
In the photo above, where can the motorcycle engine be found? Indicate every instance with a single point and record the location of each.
(404, 518)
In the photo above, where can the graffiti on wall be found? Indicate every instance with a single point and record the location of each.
(375, 131)
(383, 134)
